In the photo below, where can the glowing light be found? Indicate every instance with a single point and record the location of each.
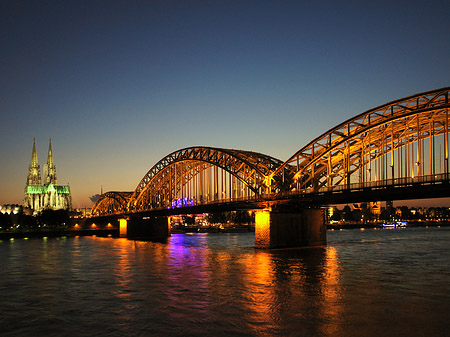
(123, 227)
(262, 228)
(184, 202)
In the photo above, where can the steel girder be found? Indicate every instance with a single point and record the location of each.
(332, 158)
(111, 202)
(164, 180)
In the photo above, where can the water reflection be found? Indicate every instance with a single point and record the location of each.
(287, 287)
(260, 302)
(332, 310)
(274, 291)
(365, 283)
(122, 268)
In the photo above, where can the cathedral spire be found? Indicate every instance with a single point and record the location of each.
(50, 154)
(50, 168)
(34, 170)
(34, 159)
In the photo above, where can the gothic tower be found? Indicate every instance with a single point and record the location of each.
(49, 195)
(34, 170)
(50, 168)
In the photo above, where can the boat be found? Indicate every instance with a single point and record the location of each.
(395, 224)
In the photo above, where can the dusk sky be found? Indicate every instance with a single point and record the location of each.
(118, 85)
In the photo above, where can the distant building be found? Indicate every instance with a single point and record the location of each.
(14, 209)
(330, 211)
(8, 209)
(83, 212)
(49, 195)
(373, 207)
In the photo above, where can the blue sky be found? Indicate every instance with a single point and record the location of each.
(117, 85)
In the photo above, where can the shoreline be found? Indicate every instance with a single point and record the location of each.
(380, 224)
(58, 233)
(115, 232)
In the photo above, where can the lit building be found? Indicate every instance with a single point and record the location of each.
(83, 212)
(49, 195)
(330, 211)
(8, 209)
(373, 207)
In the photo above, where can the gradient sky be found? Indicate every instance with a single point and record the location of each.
(118, 85)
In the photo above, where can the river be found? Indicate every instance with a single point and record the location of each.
(363, 283)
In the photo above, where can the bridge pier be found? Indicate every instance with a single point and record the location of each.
(147, 228)
(283, 229)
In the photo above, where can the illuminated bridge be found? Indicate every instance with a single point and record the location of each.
(399, 150)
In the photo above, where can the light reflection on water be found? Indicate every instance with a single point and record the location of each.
(363, 283)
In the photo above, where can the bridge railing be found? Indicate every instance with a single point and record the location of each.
(368, 185)
(400, 182)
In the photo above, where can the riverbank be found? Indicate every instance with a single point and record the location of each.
(56, 233)
(380, 224)
(6, 235)
(17, 234)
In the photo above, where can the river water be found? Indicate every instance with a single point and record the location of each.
(363, 283)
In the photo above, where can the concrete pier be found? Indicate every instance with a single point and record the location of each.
(303, 228)
(147, 228)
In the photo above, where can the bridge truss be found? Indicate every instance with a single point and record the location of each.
(198, 175)
(404, 140)
(111, 202)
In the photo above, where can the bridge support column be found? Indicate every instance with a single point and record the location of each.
(281, 230)
(148, 228)
(123, 226)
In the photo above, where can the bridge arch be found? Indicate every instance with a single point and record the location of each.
(203, 174)
(111, 202)
(399, 141)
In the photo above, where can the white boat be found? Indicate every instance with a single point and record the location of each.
(395, 224)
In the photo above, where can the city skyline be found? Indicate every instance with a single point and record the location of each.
(117, 86)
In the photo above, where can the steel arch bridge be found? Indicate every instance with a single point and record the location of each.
(111, 203)
(203, 174)
(397, 143)
(193, 176)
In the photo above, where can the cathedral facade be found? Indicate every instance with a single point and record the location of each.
(48, 195)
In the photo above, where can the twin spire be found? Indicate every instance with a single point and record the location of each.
(50, 168)
(34, 171)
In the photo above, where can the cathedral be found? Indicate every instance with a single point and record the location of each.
(49, 195)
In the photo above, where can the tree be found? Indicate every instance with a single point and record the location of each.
(406, 214)
(53, 218)
(5, 221)
(220, 217)
(241, 217)
(337, 215)
(347, 213)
